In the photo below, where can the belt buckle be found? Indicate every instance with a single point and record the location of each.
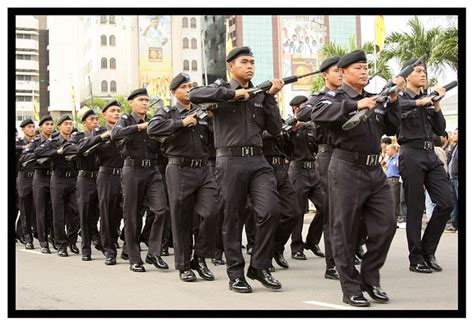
(115, 171)
(29, 174)
(146, 163)
(371, 159)
(428, 145)
(246, 151)
(193, 163)
(275, 160)
(307, 165)
(68, 174)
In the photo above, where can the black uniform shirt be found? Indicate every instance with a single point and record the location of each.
(108, 154)
(79, 141)
(338, 106)
(21, 146)
(418, 122)
(29, 154)
(136, 144)
(49, 149)
(275, 145)
(190, 142)
(303, 145)
(240, 123)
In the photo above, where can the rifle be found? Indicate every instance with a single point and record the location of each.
(382, 97)
(199, 112)
(435, 97)
(308, 125)
(98, 131)
(289, 123)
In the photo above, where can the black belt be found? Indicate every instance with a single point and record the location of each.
(188, 162)
(145, 163)
(419, 144)
(88, 174)
(303, 164)
(275, 160)
(27, 174)
(354, 157)
(64, 174)
(110, 171)
(46, 173)
(324, 148)
(239, 151)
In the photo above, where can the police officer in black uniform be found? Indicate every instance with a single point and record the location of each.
(142, 183)
(87, 199)
(305, 178)
(63, 186)
(357, 185)
(24, 185)
(41, 182)
(333, 79)
(420, 168)
(241, 167)
(192, 186)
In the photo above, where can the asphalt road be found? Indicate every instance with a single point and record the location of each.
(52, 282)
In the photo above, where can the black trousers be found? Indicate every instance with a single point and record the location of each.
(239, 177)
(43, 207)
(109, 193)
(192, 190)
(420, 168)
(307, 186)
(290, 211)
(65, 210)
(394, 183)
(355, 191)
(24, 186)
(220, 218)
(88, 204)
(142, 187)
(322, 164)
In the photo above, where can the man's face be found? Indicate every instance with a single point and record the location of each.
(29, 130)
(242, 68)
(140, 104)
(66, 127)
(91, 122)
(356, 74)
(417, 78)
(181, 92)
(334, 76)
(112, 114)
(391, 151)
(455, 136)
(297, 108)
(47, 128)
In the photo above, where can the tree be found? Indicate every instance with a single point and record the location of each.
(333, 49)
(439, 44)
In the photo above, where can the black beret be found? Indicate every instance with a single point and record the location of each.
(179, 79)
(45, 118)
(26, 122)
(352, 57)
(111, 103)
(88, 113)
(64, 118)
(410, 62)
(137, 92)
(328, 63)
(237, 52)
(297, 100)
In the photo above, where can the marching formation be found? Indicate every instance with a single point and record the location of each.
(222, 158)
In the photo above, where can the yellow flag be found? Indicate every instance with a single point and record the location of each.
(379, 32)
(36, 109)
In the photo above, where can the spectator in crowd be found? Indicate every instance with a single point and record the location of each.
(446, 145)
(383, 151)
(453, 175)
(429, 205)
(393, 177)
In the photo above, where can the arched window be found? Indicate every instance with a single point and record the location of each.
(185, 43)
(186, 65)
(103, 19)
(113, 86)
(112, 40)
(103, 63)
(194, 65)
(193, 22)
(193, 43)
(104, 86)
(185, 22)
(111, 19)
(112, 63)
(103, 40)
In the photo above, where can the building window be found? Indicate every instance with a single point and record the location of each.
(193, 22)
(104, 86)
(24, 98)
(193, 43)
(186, 65)
(23, 77)
(185, 22)
(103, 40)
(194, 65)
(103, 19)
(103, 63)
(185, 43)
(111, 19)
(112, 64)
(112, 40)
(23, 57)
(113, 86)
(24, 36)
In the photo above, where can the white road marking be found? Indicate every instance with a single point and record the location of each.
(31, 251)
(334, 306)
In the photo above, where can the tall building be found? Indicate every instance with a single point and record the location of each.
(27, 67)
(214, 50)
